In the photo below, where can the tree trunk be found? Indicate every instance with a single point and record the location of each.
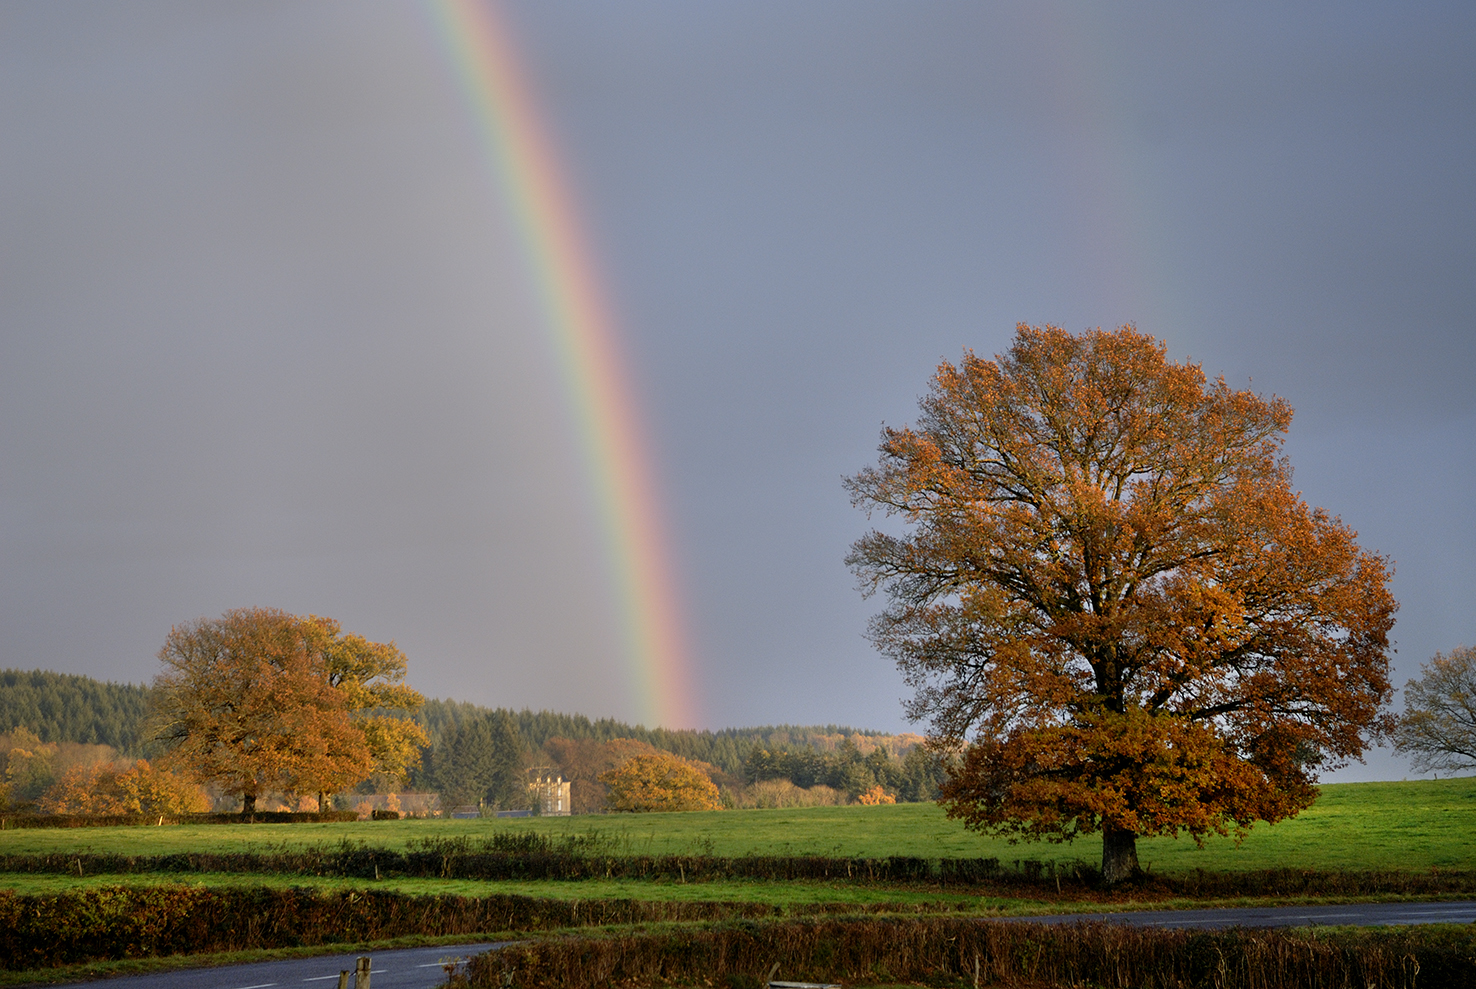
(248, 804)
(1119, 854)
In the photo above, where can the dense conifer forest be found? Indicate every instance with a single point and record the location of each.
(61, 707)
(727, 749)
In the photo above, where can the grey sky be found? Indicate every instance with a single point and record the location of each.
(265, 337)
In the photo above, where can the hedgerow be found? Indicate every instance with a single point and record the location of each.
(119, 922)
(531, 857)
(957, 952)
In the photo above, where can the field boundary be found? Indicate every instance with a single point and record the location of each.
(117, 923)
(454, 860)
(955, 952)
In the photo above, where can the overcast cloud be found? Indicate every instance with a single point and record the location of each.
(265, 336)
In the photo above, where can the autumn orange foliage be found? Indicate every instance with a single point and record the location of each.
(138, 790)
(261, 700)
(1109, 596)
(875, 797)
(245, 702)
(660, 782)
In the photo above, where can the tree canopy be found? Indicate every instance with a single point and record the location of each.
(660, 782)
(371, 677)
(1439, 723)
(1106, 593)
(261, 700)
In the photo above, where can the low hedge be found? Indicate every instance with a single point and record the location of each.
(457, 860)
(957, 952)
(126, 922)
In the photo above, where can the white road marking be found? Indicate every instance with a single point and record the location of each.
(260, 985)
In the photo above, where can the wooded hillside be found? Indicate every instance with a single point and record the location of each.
(726, 749)
(60, 707)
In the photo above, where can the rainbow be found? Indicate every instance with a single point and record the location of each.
(583, 333)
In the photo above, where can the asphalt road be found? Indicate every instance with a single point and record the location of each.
(403, 968)
(422, 968)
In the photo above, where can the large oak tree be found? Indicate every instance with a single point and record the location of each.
(1107, 595)
(261, 700)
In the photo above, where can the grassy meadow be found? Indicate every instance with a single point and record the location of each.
(1416, 825)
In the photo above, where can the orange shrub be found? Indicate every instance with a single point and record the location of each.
(660, 782)
(141, 789)
(876, 795)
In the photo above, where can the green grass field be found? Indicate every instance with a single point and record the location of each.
(1403, 826)
(1412, 827)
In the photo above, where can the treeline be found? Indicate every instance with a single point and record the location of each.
(726, 749)
(486, 759)
(61, 707)
(488, 756)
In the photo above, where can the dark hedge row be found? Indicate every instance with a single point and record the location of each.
(459, 860)
(15, 821)
(957, 952)
(140, 922)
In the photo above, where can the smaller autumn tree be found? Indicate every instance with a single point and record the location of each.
(660, 782)
(1110, 600)
(1439, 723)
(245, 702)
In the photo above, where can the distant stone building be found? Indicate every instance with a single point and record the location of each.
(551, 793)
